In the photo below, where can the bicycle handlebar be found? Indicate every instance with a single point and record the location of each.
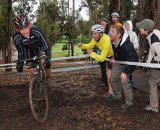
(33, 59)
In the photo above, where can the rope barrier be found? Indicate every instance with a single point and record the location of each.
(53, 60)
(150, 65)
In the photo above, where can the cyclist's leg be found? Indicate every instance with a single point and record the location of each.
(43, 56)
(103, 72)
(31, 70)
(48, 72)
(109, 68)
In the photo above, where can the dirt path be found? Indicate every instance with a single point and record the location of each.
(76, 102)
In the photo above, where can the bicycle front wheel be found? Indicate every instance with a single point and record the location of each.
(38, 99)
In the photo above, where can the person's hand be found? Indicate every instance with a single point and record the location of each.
(47, 63)
(89, 51)
(19, 67)
(123, 77)
(112, 62)
(80, 44)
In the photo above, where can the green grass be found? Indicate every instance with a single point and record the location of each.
(58, 52)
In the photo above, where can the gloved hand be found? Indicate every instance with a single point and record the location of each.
(47, 63)
(19, 66)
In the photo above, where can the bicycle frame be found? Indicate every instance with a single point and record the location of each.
(37, 92)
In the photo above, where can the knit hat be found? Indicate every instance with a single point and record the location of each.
(146, 24)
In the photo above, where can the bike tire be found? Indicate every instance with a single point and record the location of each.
(38, 99)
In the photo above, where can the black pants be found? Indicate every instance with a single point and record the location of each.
(103, 72)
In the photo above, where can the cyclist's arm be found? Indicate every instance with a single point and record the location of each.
(48, 53)
(19, 47)
(89, 45)
(43, 41)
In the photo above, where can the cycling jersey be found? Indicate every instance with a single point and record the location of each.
(104, 45)
(31, 46)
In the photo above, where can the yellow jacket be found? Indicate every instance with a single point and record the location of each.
(104, 46)
(117, 24)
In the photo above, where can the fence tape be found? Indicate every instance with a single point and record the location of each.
(53, 59)
(150, 65)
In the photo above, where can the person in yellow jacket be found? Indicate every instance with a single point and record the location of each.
(102, 42)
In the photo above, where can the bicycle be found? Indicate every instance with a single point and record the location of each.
(38, 97)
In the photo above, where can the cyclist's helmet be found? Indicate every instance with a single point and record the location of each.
(97, 28)
(21, 22)
(115, 14)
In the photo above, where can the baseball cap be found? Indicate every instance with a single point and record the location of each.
(146, 24)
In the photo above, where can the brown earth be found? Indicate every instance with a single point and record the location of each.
(76, 102)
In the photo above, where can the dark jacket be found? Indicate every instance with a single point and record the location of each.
(126, 52)
(30, 47)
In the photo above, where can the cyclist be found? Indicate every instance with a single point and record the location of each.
(105, 23)
(146, 28)
(115, 19)
(102, 42)
(30, 42)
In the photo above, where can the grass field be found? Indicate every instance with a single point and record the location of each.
(58, 52)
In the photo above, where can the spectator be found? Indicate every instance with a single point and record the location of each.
(124, 51)
(106, 25)
(128, 27)
(146, 27)
(115, 19)
(102, 43)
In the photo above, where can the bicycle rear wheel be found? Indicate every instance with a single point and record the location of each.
(38, 99)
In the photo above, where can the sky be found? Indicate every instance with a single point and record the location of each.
(83, 13)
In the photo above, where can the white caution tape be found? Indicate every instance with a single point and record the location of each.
(53, 59)
(150, 65)
(7, 65)
(70, 57)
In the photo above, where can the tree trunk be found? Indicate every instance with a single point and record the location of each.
(8, 33)
(114, 6)
(6, 48)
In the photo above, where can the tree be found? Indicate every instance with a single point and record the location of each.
(6, 7)
(114, 6)
(44, 16)
(127, 9)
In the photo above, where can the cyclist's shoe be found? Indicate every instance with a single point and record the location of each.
(149, 108)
